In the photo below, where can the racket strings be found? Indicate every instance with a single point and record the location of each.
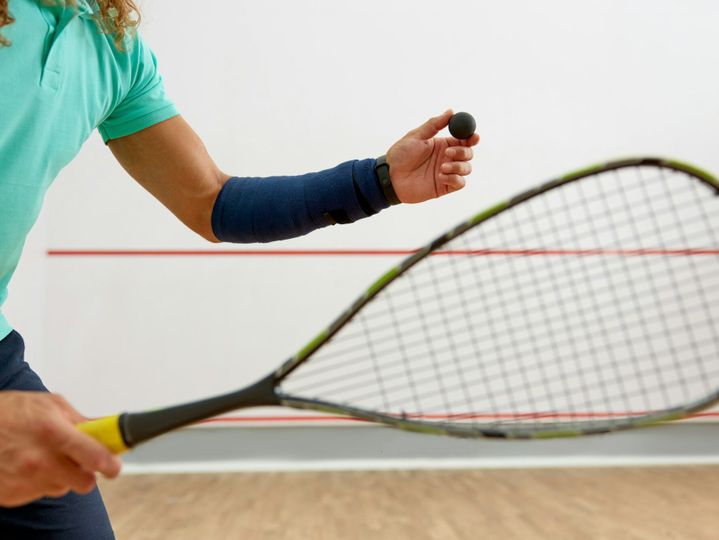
(353, 375)
(399, 340)
(354, 380)
(504, 408)
(429, 346)
(668, 332)
(541, 265)
(386, 338)
(575, 283)
(701, 284)
(590, 303)
(409, 304)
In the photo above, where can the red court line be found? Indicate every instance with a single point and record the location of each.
(223, 252)
(370, 252)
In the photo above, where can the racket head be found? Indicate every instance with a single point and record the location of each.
(653, 182)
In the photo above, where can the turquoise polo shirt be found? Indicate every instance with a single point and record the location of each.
(61, 79)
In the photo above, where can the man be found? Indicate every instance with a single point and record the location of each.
(67, 70)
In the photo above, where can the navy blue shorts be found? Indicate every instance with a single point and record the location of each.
(72, 517)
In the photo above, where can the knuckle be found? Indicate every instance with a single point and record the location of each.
(31, 465)
(61, 401)
(95, 462)
(47, 429)
(59, 398)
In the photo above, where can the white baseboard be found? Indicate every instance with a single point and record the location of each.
(375, 448)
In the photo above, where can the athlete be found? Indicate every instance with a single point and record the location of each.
(66, 69)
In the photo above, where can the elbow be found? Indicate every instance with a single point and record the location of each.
(209, 235)
(202, 222)
(203, 227)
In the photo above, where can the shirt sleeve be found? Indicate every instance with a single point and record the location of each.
(145, 102)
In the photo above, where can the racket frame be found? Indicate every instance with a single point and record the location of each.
(477, 430)
(126, 430)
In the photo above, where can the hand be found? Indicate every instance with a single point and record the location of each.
(423, 167)
(42, 453)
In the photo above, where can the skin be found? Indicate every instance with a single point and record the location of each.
(424, 167)
(170, 161)
(41, 452)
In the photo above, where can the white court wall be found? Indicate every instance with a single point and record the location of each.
(292, 86)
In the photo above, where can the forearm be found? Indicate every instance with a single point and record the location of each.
(170, 161)
(275, 208)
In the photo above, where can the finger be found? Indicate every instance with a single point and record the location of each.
(459, 153)
(462, 168)
(74, 476)
(53, 474)
(452, 183)
(432, 126)
(85, 451)
(111, 467)
(57, 492)
(67, 476)
(472, 141)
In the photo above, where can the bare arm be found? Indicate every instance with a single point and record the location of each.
(170, 161)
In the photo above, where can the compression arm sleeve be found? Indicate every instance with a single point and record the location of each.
(266, 209)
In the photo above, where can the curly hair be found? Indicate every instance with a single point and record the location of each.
(118, 18)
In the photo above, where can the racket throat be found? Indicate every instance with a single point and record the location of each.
(139, 427)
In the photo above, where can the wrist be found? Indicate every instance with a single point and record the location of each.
(385, 181)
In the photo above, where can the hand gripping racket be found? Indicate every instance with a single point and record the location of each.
(589, 304)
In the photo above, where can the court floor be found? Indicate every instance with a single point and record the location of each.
(653, 503)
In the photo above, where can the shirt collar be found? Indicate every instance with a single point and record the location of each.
(86, 8)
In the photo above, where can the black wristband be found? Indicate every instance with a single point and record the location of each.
(385, 183)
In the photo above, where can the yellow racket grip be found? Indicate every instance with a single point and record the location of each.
(107, 431)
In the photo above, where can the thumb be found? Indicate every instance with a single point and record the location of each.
(432, 126)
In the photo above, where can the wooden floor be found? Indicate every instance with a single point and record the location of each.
(574, 504)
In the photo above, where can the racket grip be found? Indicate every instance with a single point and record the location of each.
(106, 430)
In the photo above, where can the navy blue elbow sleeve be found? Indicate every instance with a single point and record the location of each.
(275, 208)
